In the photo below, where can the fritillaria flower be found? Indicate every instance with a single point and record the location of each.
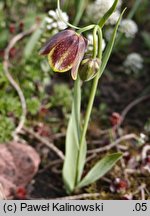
(65, 51)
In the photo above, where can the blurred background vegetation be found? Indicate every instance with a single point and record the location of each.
(48, 95)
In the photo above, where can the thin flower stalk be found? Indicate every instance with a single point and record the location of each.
(93, 90)
(66, 51)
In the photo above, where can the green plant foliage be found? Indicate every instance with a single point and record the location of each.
(146, 38)
(72, 142)
(110, 45)
(75, 143)
(6, 128)
(100, 169)
(49, 101)
(10, 104)
(108, 14)
(62, 97)
(33, 105)
(32, 42)
(71, 156)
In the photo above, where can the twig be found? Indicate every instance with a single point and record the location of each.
(122, 147)
(2, 194)
(15, 85)
(113, 144)
(91, 157)
(78, 197)
(131, 105)
(58, 135)
(56, 170)
(45, 142)
(145, 151)
(123, 166)
(147, 191)
(143, 193)
(125, 112)
(141, 189)
(132, 171)
(51, 164)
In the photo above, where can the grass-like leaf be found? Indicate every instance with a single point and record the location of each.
(100, 169)
(72, 142)
(81, 162)
(108, 14)
(32, 42)
(110, 45)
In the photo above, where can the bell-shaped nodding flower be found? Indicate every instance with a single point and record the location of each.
(65, 51)
(89, 68)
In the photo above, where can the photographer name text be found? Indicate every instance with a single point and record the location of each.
(66, 207)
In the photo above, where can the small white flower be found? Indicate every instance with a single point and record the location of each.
(48, 20)
(54, 22)
(52, 14)
(108, 33)
(114, 18)
(54, 25)
(133, 63)
(49, 27)
(97, 9)
(129, 27)
(61, 25)
(90, 43)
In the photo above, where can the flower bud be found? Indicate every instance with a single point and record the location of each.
(89, 68)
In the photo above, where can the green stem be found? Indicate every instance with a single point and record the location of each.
(100, 41)
(80, 30)
(89, 108)
(93, 91)
(91, 100)
(95, 41)
(61, 17)
(87, 28)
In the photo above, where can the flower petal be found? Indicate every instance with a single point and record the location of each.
(62, 56)
(79, 56)
(52, 42)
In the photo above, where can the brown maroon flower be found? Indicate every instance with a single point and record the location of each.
(65, 51)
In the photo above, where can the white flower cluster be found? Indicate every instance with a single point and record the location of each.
(54, 23)
(129, 28)
(90, 43)
(97, 9)
(133, 63)
(108, 33)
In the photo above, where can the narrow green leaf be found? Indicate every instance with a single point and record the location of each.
(110, 45)
(100, 169)
(77, 3)
(71, 155)
(72, 142)
(133, 10)
(146, 38)
(80, 7)
(33, 41)
(107, 14)
(81, 162)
